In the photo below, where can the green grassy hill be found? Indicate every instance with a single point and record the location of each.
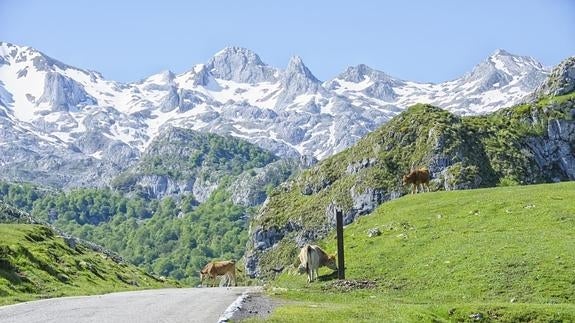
(502, 254)
(35, 262)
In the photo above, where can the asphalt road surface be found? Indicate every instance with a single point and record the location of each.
(160, 305)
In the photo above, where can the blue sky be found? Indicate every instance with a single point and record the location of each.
(427, 41)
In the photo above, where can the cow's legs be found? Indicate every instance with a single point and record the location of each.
(309, 275)
(229, 277)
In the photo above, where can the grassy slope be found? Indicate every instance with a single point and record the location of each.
(506, 253)
(35, 263)
(489, 147)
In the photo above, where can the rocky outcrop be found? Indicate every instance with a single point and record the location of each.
(555, 153)
(360, 164)
(561, 80)
(158, 186)
(240, 65)
(203, 187)
(296, 80)
(64, 94)
(251, 187)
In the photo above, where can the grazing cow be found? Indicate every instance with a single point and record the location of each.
(312, 258)
(219, 268)
(417, 177)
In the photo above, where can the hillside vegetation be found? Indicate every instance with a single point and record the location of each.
(502, 254)
(187, 201)
(524, 144)
(169, 237)
(35, 262)
(184, 161)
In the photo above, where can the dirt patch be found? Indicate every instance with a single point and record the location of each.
(255, 305)
(349, 285)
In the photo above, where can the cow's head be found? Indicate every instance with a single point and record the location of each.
(331, 262)
(405, 179)
(409, 178)
(203, 275)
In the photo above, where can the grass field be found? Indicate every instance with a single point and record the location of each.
(35, 263)
(499, 254)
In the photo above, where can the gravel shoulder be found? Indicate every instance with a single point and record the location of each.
(255, 304)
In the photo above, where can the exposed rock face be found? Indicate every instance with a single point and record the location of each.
(158, 186)
(264, 239)
(203, 188)
(64, 94)
(555, 154)
(561, 80)
(365, 201)
(240, 65)
(296, 80)
(382, 85)
(359, 165)
(29, 160)
(249, 189)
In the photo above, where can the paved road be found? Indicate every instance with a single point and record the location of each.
(160, 305)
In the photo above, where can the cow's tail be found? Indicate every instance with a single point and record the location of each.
(308, 256)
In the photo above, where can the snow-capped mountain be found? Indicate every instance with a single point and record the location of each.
(51, 112)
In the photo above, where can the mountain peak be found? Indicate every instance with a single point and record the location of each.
(297, 79)
(238, 52)
(297, 67)
(164, 77)
(501, 52)
(27, 55)
(360, 72)
(241, 65)
(501, 68)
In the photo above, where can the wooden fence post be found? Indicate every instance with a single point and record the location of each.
(340, 255)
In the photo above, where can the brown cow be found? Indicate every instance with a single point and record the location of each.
(417, 177)
(312, 258)
(219, 268)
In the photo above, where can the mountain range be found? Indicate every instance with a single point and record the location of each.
(65, 126)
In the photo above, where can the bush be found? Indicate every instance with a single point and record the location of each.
(507, 181)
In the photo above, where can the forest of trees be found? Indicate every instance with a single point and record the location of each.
(168, 237)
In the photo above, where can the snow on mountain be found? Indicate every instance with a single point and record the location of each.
(61, 111)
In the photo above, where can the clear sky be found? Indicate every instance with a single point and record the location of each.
(426, 41)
